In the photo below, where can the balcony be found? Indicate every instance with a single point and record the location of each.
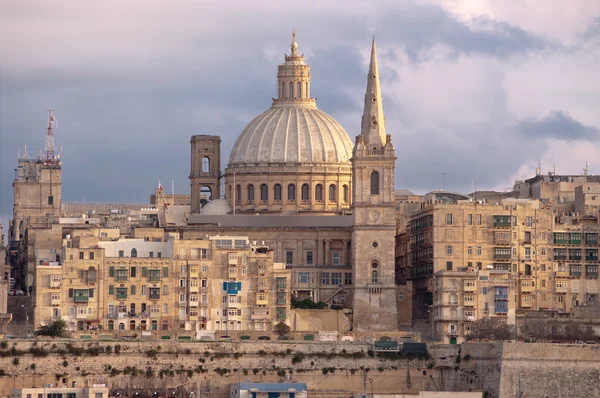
(259, 313)
(121, 294)
(502, 257)
(448, 288)
(502, 238)
(575, 258)
(281, 286)
(525, 304)
(153, 297)
(262, 299)
(81, 296)
(501, 297)
(183, 317)
(527, 288)
(262, 269)
(561, 289)
(55, 301)
(54, 284)
(501, 221)
(81, 315)
(111, 315)
(154, 277)
(560, 257)
(121, 278)
(194, 304)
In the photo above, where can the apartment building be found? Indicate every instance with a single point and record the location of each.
(468, 260)
(154, 281)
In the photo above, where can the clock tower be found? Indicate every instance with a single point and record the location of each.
(373, 209)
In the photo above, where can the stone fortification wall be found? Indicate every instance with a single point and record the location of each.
(211, 366)
(544, 370)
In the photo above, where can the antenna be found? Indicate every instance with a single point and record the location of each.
(50, 139)
(586, 168)
(25, 156)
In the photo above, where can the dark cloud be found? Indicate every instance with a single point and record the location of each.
(420, 28)
(559, 125)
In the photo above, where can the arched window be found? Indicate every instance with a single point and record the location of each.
(299, 93)
(250, 193)
(229, 193)
(374, 183)
(133, 252)
(154, 324)
(143, 325)
(277, 192)
(374, 276)
(132, 324)
(291, 93)
(238, 194)
(332, 193)
(121, 326)
(282, 94)
(206, 164)
(264, 192)
(319, 192)
(291, 192)
(205, 195)
(345, 193)
(304, 191)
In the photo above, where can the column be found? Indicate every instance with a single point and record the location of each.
(327, 253)
(344, 252)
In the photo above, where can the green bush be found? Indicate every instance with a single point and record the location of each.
(307, 304)
(15, 361)
(57, 328)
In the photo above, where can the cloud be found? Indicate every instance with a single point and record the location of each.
(558, 124)
(130, 84)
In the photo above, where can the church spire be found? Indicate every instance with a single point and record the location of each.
(373, 121)
(294, 44)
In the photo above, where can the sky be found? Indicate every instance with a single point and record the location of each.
(476, 90)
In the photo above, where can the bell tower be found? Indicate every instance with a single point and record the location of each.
(373, 209)
(205, 170)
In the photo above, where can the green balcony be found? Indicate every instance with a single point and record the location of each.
(122, 294)
(81, 295)
(501, 221)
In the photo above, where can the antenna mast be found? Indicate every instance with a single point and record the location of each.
(50, 158)
(586, 168)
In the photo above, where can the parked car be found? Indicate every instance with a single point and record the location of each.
(16, 292)
(264, 338)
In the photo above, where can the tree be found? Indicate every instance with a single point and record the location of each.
(490, 329)
(281, 329)
(57, 328)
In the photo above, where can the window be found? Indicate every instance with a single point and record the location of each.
(347, 278)
(133, 272)
(449, 219)
(250, 193)
(478, 219)
(479, 250)
(336, 278)
(345, 193)
(324, 278)
(289, 257)
(543, 252)
(470, 219)
(449, 265)
(543, 283)
(151, 254)
(448, 250)
(470, 250)
(205, 164)
(332, 193)
(122, 274)
(81, 255)
(91, 255)
(264, 192)
(166, 290)
(374, 183)
(133, 252)
(303, 277)
(528, 221)
(166, 272)
(484, 290)
(51, 203)
(291, 192)
(132, 287)
(336, 257)
(165, 308)
(319, 193)
(121, 253)
(309, 258)
(305, 192)
(277, 192)
(374, 276)
(154, 293)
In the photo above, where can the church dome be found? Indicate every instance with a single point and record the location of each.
(291, 133)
